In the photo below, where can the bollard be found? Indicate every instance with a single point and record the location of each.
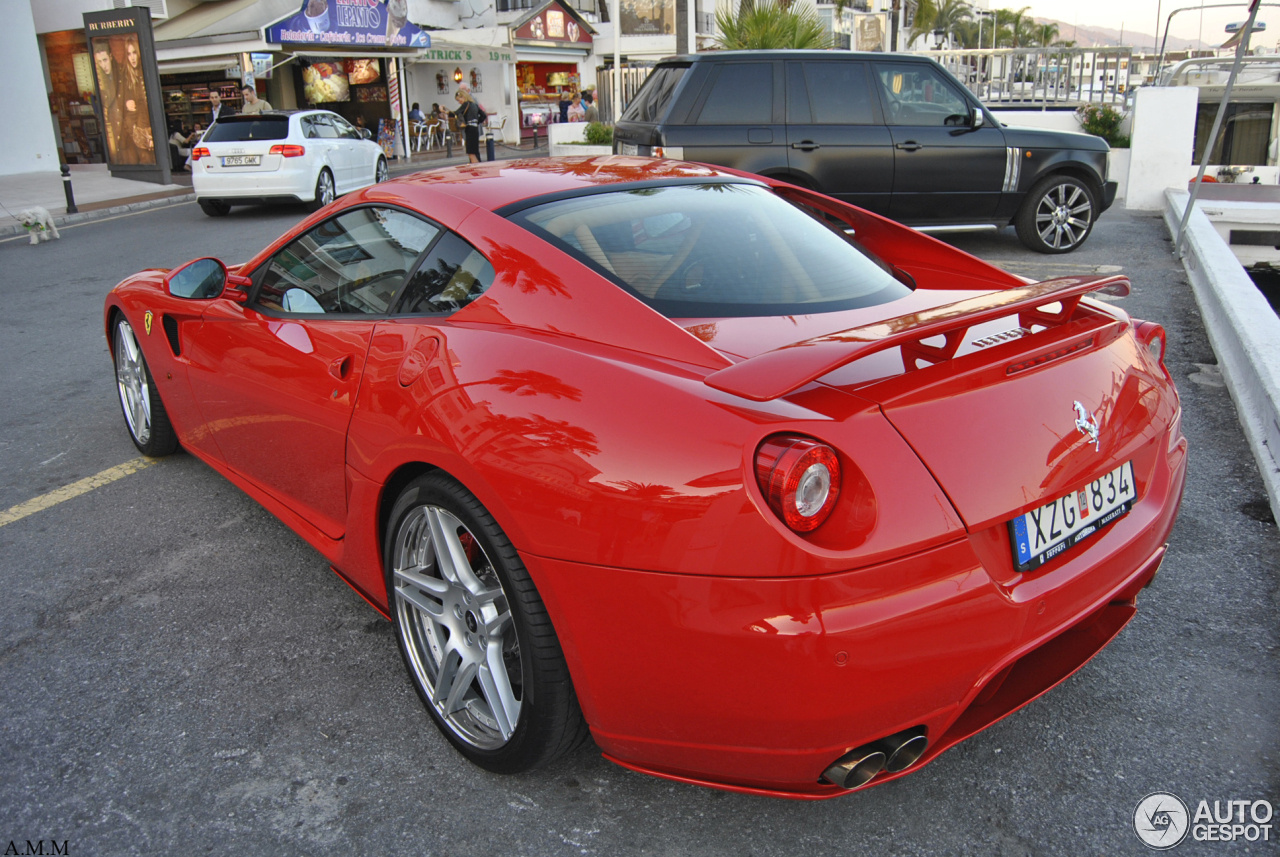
(488, 144)
(535, 137)
(448, 143)
(66, 188)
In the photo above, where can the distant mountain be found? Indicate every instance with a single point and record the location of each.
(1104, 37)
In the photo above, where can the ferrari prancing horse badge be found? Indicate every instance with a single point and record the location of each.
(146, 322)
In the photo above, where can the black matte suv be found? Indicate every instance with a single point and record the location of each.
(894, 134)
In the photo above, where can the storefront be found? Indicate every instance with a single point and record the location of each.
(486, 70)
(348, 57)
(553, 50)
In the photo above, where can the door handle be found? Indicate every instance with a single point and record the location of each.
(806, 145)
(341, 368)
(909, 146)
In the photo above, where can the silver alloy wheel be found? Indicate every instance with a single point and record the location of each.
(325, 187)
(1064, 211)
(380, 175)
(457, 626)
(131, 378)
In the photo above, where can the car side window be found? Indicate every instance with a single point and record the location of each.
(451, 276)
(741, 94)
(325, 128)
(309, 128)
(352, 263)
(918, 94)
(344, 128)
(839, 93)
(798, 112)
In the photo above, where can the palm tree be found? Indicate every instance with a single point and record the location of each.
(768, 24)
(950, 15)
(1046, 34)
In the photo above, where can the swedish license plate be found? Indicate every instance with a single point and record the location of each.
(628, 149)
(242, 160)
(1041, 534)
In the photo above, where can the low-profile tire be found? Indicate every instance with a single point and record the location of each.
(144, 413)
(326, 191)
(474, 634)
(1057, 215)
(381, 172)
(215, 207)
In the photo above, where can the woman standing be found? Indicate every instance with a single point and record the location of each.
(469, 117)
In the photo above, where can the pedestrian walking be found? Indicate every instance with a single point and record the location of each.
(470, 117)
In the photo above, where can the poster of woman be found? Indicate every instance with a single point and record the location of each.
(122, 91)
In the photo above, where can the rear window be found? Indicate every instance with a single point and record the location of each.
(695, 251)
(651, 102)
(238, 128)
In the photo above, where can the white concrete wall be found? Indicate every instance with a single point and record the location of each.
(1164, 121)
(52, 16)
(1054, 120)
(28, 142)
(1118, 171)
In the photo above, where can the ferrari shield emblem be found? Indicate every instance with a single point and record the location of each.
(146, 322)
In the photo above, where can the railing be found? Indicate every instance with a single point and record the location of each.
(1041, 76)
(1213, 71)
(632, 79)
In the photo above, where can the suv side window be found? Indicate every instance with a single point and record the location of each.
(451, 276)
(918, 94)
(839, 93)
(352, 263)
(741, 94)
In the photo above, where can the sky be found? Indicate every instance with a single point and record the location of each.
(1140, 16)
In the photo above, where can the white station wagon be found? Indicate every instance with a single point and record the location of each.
(282, 156)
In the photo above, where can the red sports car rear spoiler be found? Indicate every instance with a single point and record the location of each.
(783, 370)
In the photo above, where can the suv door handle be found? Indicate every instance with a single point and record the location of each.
(909, 146)
(807, 145)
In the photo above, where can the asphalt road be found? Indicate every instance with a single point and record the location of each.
(183, 675)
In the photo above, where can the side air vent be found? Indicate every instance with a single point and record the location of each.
(171, 333)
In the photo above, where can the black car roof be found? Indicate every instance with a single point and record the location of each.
(725, 56)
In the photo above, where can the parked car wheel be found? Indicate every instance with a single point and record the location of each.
(1057, 215)
(474, 634)
(215, 207)
(144, 413)
(325, 191)
(381, 173)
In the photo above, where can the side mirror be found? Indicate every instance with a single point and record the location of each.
(200, 279)
(977, 118)
(365, 133)
(237, 288)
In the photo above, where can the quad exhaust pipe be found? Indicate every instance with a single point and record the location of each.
(893, 754)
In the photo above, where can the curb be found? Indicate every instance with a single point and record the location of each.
(102, 213)
(1244, 333)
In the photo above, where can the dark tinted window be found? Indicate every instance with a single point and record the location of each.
(695, 251)
(838, 93)
(797, 96)
(352, 263)
(742, 94)
(918, 94)
(451, 276)
(651, 102)
(238, 128)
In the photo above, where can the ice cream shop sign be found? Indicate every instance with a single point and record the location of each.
(372, 23)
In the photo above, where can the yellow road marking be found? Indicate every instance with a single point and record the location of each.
(75, 489)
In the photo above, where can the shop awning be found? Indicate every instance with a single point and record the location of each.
(220, 21)
(215, 63)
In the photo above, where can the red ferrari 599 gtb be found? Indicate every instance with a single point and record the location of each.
(756, 489)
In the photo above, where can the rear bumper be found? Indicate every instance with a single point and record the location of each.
(1109, 194)
(290, 182)
(757, 685)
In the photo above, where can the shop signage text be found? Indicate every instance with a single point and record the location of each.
(469, 55)
(370, 23)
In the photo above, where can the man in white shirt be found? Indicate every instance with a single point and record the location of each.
(216, 107)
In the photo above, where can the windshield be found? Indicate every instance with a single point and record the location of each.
(239, 128)
(723, 250)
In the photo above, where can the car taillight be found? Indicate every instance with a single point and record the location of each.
(200, 152)
(800, 479)
(1152, 336)
(289, 150)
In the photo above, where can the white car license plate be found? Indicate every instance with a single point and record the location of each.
(628, 149)
(242, 160)
(1041, 534)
